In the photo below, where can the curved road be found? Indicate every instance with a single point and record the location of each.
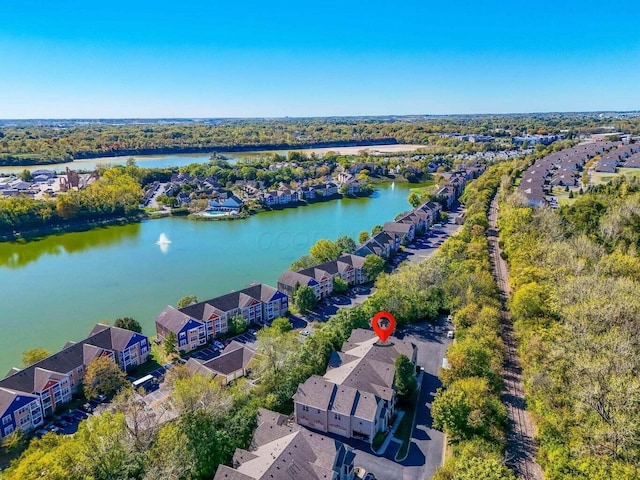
(521, 447)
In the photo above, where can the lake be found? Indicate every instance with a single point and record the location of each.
(56, 288)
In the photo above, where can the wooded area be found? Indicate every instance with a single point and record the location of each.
(41, 143)
(575, 275)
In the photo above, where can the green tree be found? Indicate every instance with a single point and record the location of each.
(277, 356)
(170, 344)
(15, 441)
(376, 229)
(303, 262)
(305, 298)
(405, 383)
(372, 267)
(282, 324)
(237, 324)
(472, 357)
(128, 323)
(475, 468)
(528, 301)
(325, 250)
(467, 409)
(54, 457)
(186, 301)
(195, 392)
(414, 199)
(26, 176)
(345, 244)
(106, 449)
(167, 456)
(363, 237)
(103, 377)
(34, 356)
(208, 444)
(339, 285)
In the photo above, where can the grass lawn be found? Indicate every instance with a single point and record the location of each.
(404, 430)
(598, 178)
(146, 368)
(378, 440)
(425, 188)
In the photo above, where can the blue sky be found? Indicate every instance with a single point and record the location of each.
(110, 59)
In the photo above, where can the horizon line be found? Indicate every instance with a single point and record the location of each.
(286, 117)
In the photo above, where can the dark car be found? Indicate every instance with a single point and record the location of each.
(67, 417)
(79, 415)
(53, 428)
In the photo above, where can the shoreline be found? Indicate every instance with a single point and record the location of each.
(71, 227)
(83, 226)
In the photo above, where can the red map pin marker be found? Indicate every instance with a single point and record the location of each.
(383, 324)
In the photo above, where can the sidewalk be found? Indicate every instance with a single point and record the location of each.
(390, 438)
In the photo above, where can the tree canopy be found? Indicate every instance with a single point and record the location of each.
(129, 324)
(33, 356)
(103, 377)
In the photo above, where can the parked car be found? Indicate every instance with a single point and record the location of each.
(305, 333)
(102, 398)
(87, 407)
(79, 415)
(62, 424)
(41, 432)
(450, 334)
(251, 331)
(53, 428)
(219, 345)
(68, 417)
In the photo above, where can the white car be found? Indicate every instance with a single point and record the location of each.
(218, 345)
(450, 334)
(306, 333)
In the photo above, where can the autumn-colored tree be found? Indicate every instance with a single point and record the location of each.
(103, 377)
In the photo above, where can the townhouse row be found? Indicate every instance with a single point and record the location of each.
(29, 395)
(281, 450)
(558, 169)
(196, 325)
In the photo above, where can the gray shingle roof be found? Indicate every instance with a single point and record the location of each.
(287, 452)
(7, 396)
(292, 279)
(316, 392)
(172, 319)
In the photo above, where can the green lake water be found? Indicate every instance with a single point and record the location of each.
(55, 289)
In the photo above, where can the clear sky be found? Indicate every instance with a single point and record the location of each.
(246, 58)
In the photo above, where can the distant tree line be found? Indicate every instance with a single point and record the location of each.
(33, 144)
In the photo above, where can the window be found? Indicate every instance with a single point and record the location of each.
(6, 420)
(305, 408)
(25, 420)
(8, 430)
(336, 416)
